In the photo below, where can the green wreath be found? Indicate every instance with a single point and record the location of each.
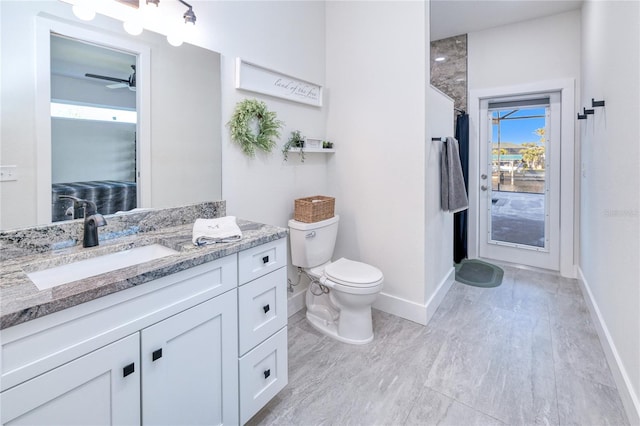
(268, 126)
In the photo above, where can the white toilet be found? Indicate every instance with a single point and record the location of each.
(341, 293)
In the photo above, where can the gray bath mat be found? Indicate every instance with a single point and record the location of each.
(478, 273)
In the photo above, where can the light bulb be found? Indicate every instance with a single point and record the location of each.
(133, 26)
(175, 38)
(83, 9)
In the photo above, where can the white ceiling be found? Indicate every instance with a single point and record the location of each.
(73, 58)
(454, 17)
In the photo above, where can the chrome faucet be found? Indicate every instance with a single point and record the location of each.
(92, 219)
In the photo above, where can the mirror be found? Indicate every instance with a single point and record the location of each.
(93, 128)
(178, 100)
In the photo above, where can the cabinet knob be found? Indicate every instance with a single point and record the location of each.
(267, 373)
(265, 259)
(128, 369)
(156, 355)
(266, 308)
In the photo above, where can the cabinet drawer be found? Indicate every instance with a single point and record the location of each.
(262, 308)
(258, 261)
(263, 373)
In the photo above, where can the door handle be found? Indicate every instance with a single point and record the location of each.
(484, 187)
(156, 355)
(128, 369)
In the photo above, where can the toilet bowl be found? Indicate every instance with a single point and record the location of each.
(341, 293)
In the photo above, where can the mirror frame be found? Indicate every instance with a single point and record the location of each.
(45, 26)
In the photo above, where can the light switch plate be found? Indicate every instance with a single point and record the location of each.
(8, 173)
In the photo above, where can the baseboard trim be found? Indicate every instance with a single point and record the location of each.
(629, 398)
(295, 302)
(413, 311)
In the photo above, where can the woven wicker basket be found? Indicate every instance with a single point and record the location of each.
(314, 209)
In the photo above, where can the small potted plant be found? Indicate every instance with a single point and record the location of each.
(296, 140)
(327, 145)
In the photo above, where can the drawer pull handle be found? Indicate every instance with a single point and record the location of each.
(128, 369)
(265, 259)
(266, 308)
(156, 355)
(267, 373)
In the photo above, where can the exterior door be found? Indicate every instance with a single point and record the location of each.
(519, 198)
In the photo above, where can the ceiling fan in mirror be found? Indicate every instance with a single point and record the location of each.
(118, 82)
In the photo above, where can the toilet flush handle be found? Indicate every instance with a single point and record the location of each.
(310, 234)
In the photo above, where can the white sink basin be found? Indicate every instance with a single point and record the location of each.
(57, 275)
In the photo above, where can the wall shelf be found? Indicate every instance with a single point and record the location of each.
(309, 150)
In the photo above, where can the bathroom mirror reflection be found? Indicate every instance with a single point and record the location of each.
(93, 128)
(177, 141)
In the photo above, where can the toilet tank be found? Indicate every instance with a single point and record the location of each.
(312, 244)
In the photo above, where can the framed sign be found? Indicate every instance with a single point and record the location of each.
(255, 78)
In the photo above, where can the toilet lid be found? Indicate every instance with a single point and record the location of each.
(351, 273)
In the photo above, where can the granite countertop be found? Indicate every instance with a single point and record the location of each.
(21, 301)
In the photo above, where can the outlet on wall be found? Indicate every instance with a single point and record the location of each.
(8, 173)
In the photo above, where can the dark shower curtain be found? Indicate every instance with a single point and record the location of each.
(460, 218)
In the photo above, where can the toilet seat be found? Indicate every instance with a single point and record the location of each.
(350, 273)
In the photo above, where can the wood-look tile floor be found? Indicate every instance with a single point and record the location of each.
(523, 353)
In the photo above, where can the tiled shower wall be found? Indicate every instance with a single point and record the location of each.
(450, 75)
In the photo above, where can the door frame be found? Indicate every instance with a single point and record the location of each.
(566, 87)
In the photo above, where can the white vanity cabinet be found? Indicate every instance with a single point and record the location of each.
(94, 363)
(179, 366)
(169, 351)
(262, 321)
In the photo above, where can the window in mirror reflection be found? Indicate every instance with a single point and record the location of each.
(93, 127)
(83, 112)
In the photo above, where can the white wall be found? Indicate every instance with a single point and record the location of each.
(81, 90)
(376, 56)
(536, 50)
(439, 242)
(610, 201)
(286, 36)
(83, 150)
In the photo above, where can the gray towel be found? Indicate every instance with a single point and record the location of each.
(453, 194)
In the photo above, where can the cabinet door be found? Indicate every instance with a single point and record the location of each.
(100, 388)
(189, 366)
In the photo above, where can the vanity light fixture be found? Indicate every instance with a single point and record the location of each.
(134, 25)
(86, 10)
(189, 16)
(176, 35)
(83, 9)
